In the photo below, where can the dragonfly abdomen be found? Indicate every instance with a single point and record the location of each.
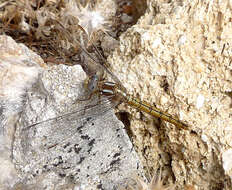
(111, 89)
(153, 111)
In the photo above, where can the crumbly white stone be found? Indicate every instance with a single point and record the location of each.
(193, 57)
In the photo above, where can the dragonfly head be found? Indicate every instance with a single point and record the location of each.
(92, 83)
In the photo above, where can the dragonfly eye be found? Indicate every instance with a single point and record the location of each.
(92, 84)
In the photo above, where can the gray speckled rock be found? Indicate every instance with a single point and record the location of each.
(88, 148)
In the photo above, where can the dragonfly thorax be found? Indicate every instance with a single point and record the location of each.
(112, 89)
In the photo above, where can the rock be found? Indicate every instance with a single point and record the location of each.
(179, 58)
(87, 149)
(19, 70)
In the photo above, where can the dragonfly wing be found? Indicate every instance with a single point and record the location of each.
(60, 129)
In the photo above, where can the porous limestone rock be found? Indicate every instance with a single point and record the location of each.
(178, 58)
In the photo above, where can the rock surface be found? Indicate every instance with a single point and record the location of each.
(19, 69)
(87, 149)
(178, 57)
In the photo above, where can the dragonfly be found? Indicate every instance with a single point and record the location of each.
(45, 141)
(116, 91)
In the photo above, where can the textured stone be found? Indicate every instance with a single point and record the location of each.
(87, 149)
(178, 57)
(19, 70)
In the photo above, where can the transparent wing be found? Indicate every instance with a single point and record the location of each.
(97, 59)
(61, 128)
(69, 143)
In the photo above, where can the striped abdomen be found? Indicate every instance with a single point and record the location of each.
(112, 89)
